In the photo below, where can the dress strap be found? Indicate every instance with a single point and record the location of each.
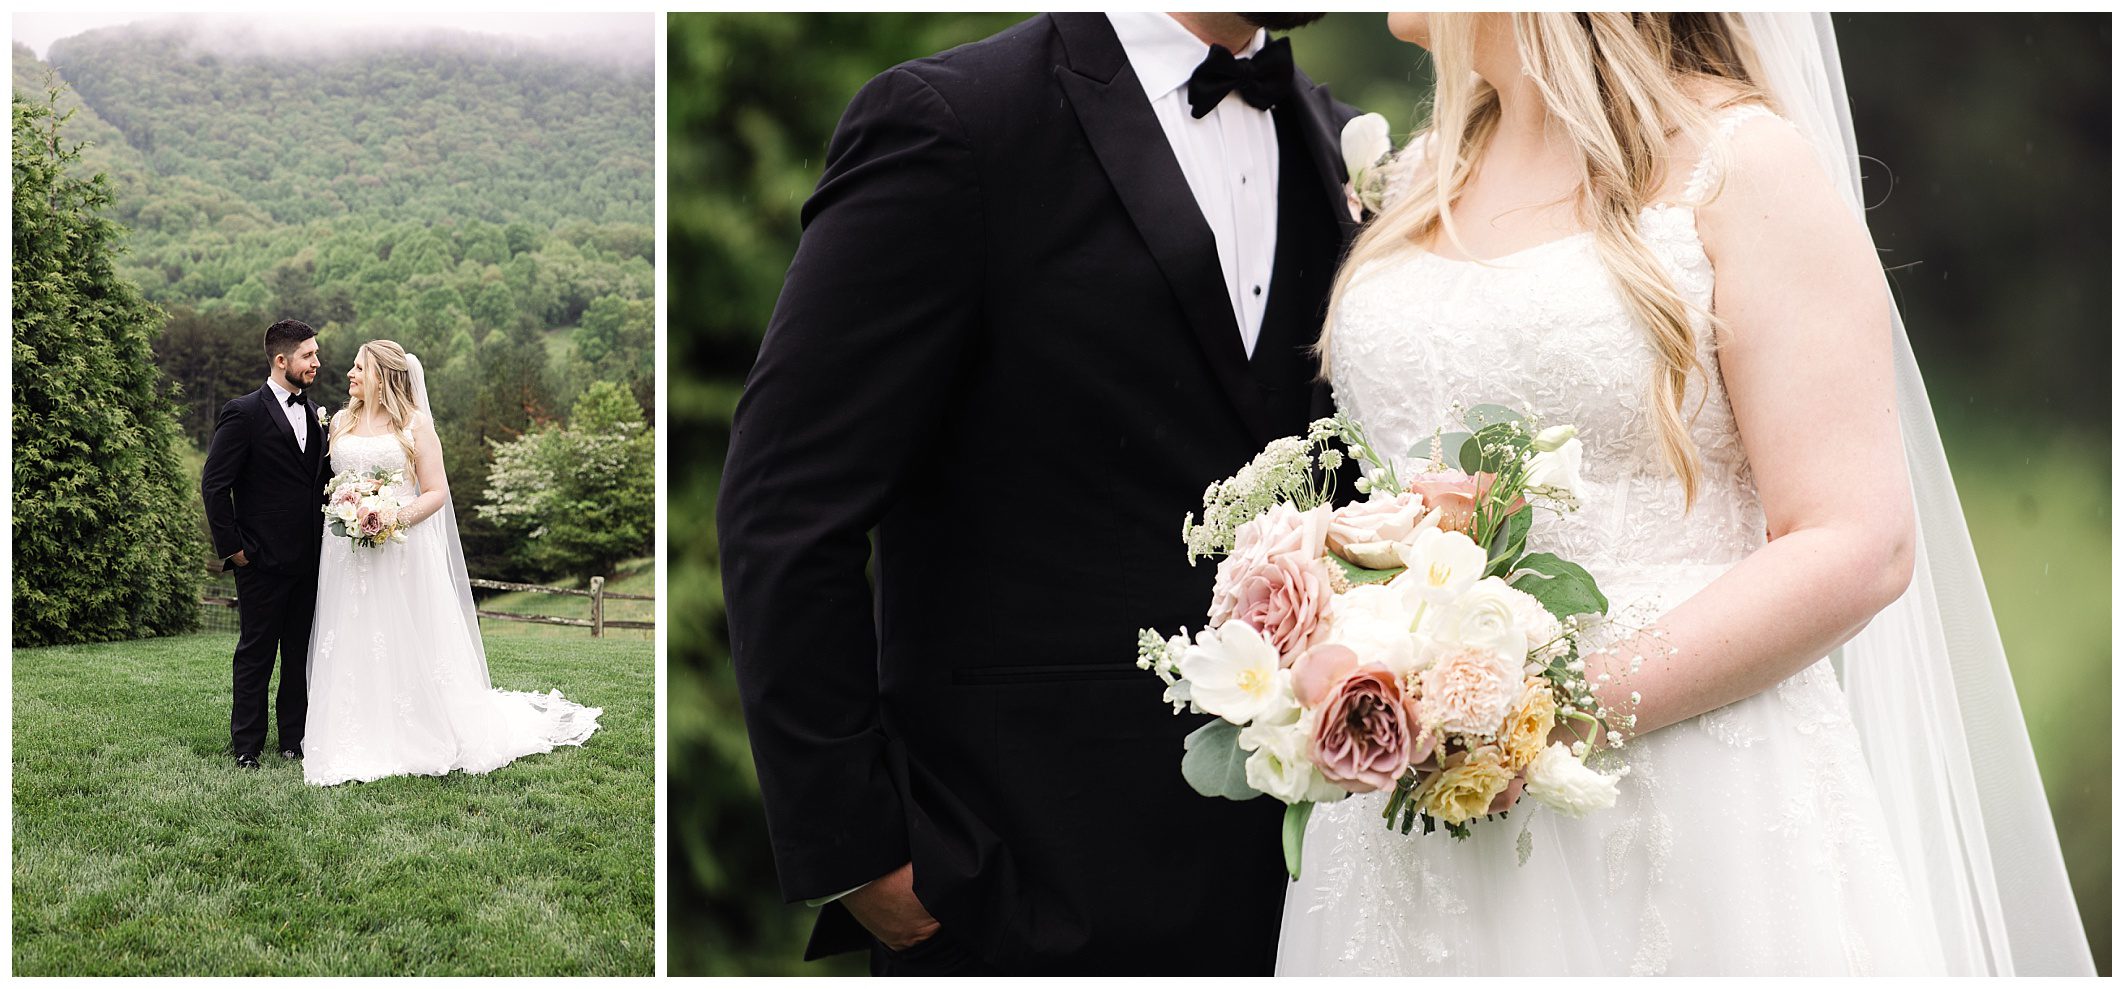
(1722, 127)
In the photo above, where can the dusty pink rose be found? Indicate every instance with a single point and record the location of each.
(1317, 670)
(1367, 533)
(1468, 692)
(372, 521)
(1363, 738)
(1455, 494)
(1275, 579)
(1284, 599)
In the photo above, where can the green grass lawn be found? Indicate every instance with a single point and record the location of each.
(141, 850)
(2037, 499)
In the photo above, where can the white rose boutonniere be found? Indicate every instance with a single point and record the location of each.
(324, 417)
(1365, 144)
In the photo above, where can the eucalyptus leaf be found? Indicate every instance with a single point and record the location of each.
(1361, 575)
(1470, 456)
(1215, 765)
(1449, 449)
(1484, 415)
(1563, 587)
(1294, 818)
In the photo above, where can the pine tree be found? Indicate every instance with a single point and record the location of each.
(107, 527)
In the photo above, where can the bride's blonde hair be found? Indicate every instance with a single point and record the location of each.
(1616, 84)
(392, 378)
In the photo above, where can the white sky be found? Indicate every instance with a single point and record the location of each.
(607, 31)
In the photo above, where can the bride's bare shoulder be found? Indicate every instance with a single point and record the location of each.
(1742, 134)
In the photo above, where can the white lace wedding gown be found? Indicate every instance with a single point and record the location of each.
(1746, 841)
(398, 681)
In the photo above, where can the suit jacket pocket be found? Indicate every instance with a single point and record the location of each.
(987, 676)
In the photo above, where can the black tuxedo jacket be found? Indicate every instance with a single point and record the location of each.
(263, 492)
(1006, 347)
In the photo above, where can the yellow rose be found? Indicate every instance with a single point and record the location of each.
(1464, 792)
(1527, 727)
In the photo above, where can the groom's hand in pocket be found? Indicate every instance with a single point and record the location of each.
(239, 560)
(888, 909)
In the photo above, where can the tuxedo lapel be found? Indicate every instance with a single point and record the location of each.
(316, 448)
(1117, 120)
(278, 416)
(1323, 141)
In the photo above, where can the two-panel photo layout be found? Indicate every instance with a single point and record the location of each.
(1114, 494)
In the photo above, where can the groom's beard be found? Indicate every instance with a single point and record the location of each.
(1281, 22)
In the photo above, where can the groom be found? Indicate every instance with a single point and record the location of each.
(1050, 286)
(264, 482)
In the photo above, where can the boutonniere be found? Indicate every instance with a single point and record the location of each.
(324, 418)
(1365, 147)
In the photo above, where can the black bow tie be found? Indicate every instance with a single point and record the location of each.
(295, 399)
(1262, 81)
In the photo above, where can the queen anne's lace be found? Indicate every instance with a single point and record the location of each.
(1749, 843)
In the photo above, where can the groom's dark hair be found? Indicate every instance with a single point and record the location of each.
(283, 337)
(1281, 22)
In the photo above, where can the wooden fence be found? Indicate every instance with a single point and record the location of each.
(597, 623)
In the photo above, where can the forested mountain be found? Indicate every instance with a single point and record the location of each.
(487, 204)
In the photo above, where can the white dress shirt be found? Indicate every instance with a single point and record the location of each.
(298, 417)
(1228, 156)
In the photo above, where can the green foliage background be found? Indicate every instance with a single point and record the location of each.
(106, 542)
(490, 207)
(1990, 144)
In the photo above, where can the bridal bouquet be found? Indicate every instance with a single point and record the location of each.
(363, 506)
(1404, 643)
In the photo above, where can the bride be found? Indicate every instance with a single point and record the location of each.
(1646, 225)
(397, 672)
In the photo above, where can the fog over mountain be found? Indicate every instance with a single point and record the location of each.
(627, 39)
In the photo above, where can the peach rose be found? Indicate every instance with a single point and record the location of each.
(1367, 533)
(1363, 737)
(1467, 788)
(1527, 727)
(1455, 494)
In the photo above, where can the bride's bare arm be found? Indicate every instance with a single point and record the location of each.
(1807, 358)
(428, 469)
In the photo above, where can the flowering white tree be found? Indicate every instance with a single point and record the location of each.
(582, 497)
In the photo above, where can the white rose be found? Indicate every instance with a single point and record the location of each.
(1558, 469)
(1487, 617)
(1364, 142)
(1279, 767)
(1558, 780)
(1235, 674)
(1373, 620)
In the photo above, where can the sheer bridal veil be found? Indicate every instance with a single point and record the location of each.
(1927, 679)
(445, 521)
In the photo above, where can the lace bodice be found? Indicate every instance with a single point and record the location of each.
(1545, 330)
(351, 453)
